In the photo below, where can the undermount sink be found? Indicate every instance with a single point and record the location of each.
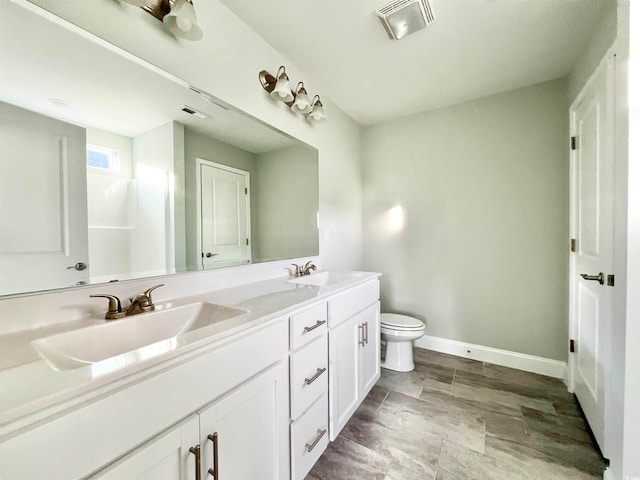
(323, 279)
(148, 334)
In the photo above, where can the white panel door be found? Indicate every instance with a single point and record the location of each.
(224, 216)
(344, 349)
(370, 351)
(592, 225)
(43, 202)
(167, 456)
(251, 430)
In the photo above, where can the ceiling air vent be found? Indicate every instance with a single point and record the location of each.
(402, 17)
(193, 111)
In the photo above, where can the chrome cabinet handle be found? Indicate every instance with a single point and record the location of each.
(214, 471)
(361, 334)
(366, 332)
(196, 451)
(78, 266)
(597, 278)
(311, 446)
(319, 372)
(319, 323)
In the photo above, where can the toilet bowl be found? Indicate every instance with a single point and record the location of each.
(399, 332)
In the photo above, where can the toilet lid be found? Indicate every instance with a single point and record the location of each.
(404, 322)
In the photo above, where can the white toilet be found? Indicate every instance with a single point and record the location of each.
(399, 331)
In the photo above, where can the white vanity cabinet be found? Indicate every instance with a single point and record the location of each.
(354, 351)
(260, 403)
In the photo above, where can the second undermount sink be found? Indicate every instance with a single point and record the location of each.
(148, 334)
(323, 279)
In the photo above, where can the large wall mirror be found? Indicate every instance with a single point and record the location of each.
(112, 170)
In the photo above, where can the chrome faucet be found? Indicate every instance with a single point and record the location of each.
(301, 271)
(139, 304)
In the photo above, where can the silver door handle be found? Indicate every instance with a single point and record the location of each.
(596, 278)
(209, 254)
(78, 266)
(361, 334)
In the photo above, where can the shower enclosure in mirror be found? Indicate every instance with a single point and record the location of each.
(111, 169)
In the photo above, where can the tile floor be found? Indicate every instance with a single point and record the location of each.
(459, 419)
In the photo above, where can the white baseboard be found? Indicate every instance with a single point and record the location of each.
(506, 358)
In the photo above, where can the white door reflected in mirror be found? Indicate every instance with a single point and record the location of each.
(224, 209)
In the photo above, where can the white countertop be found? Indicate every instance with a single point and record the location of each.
(31, 390)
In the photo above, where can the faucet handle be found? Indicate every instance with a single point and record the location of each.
(298, 270)
(115, 307)
(147, 292)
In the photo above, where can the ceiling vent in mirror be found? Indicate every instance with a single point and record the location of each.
(194, 112)
(402, 17)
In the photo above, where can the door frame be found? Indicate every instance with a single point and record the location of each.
(609, 64)
(245, 173)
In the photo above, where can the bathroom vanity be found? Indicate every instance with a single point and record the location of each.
(255, 395)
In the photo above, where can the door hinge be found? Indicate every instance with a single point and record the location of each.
(246, 191)
(247, 241)
(572, 346)
(611, 280)
(574, 244)
(574, 143)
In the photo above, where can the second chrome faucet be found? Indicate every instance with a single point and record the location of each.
(139, 304)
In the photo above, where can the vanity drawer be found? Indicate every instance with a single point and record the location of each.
(309, 438)
(308, 374)
(308, 324)
(354, 300)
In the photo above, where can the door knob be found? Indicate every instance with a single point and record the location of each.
(596, 278)
(78, 266)
(209, 254)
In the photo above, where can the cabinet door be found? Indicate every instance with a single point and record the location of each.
(166, 456)
(370, 352)
(251, 425)
(344, 346)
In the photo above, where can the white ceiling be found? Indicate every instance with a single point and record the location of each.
(473, 49)
(41, 60)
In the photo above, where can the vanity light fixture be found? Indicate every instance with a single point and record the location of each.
(278, 88)
(178, 16)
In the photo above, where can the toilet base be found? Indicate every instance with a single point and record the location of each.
(399, 356)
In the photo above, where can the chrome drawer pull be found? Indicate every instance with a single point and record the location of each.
(196, 451)
(319, 372)
(361, 334)
(318, 324)
(311, 446)
(366, 332)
